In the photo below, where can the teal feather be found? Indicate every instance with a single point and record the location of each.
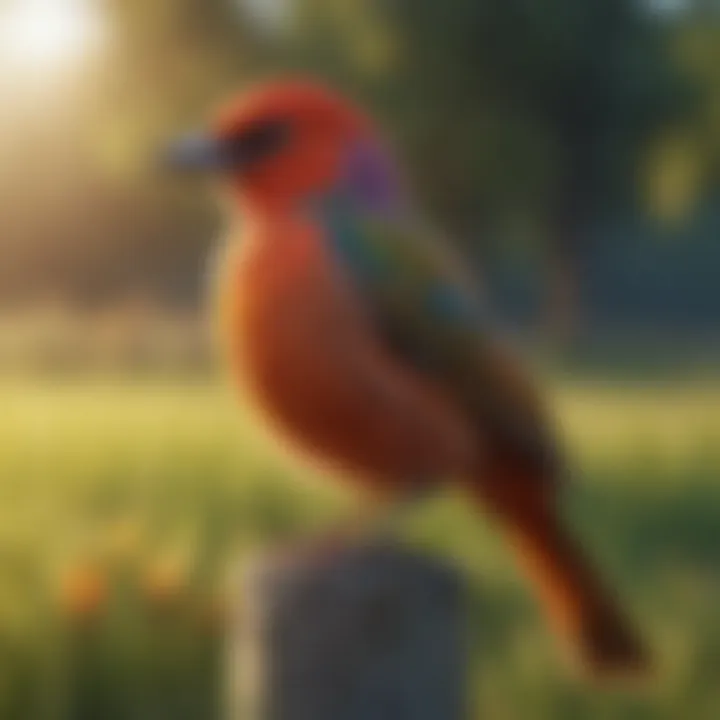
(431, 314)
(385, 258)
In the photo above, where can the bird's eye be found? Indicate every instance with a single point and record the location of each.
(258, 142)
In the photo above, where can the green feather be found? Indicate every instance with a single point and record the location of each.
(431, 314)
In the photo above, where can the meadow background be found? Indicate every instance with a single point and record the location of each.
(572, 148)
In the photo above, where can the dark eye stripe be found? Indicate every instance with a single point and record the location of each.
(257, 142)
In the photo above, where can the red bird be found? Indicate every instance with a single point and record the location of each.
(364, 340)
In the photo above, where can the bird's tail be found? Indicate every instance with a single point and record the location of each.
(581, 610)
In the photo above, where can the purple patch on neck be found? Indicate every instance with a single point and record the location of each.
(372, 179)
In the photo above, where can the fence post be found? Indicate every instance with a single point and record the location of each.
(372, 632)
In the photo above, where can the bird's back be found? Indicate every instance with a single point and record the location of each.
(431, 313)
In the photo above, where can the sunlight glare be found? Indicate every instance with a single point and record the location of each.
(45, 34)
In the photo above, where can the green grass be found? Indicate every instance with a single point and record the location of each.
(147, 493)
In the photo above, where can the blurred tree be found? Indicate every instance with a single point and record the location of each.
(523, 122)
(167, 62)
(698, 51)
(522, 117)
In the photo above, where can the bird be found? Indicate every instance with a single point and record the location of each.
(364, 338)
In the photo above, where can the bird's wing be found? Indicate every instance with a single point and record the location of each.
(433, 316)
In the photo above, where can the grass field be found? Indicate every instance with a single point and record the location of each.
(123, 504)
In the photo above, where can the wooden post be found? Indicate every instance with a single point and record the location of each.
(371, 632)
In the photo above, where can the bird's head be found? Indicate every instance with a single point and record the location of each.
(291, 140)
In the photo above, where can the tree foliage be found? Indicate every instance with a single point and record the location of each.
(521, 121)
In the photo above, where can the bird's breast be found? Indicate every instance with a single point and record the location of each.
(309, 356)
(291, 325)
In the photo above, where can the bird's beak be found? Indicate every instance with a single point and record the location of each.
(198, 152)
(232, 154)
